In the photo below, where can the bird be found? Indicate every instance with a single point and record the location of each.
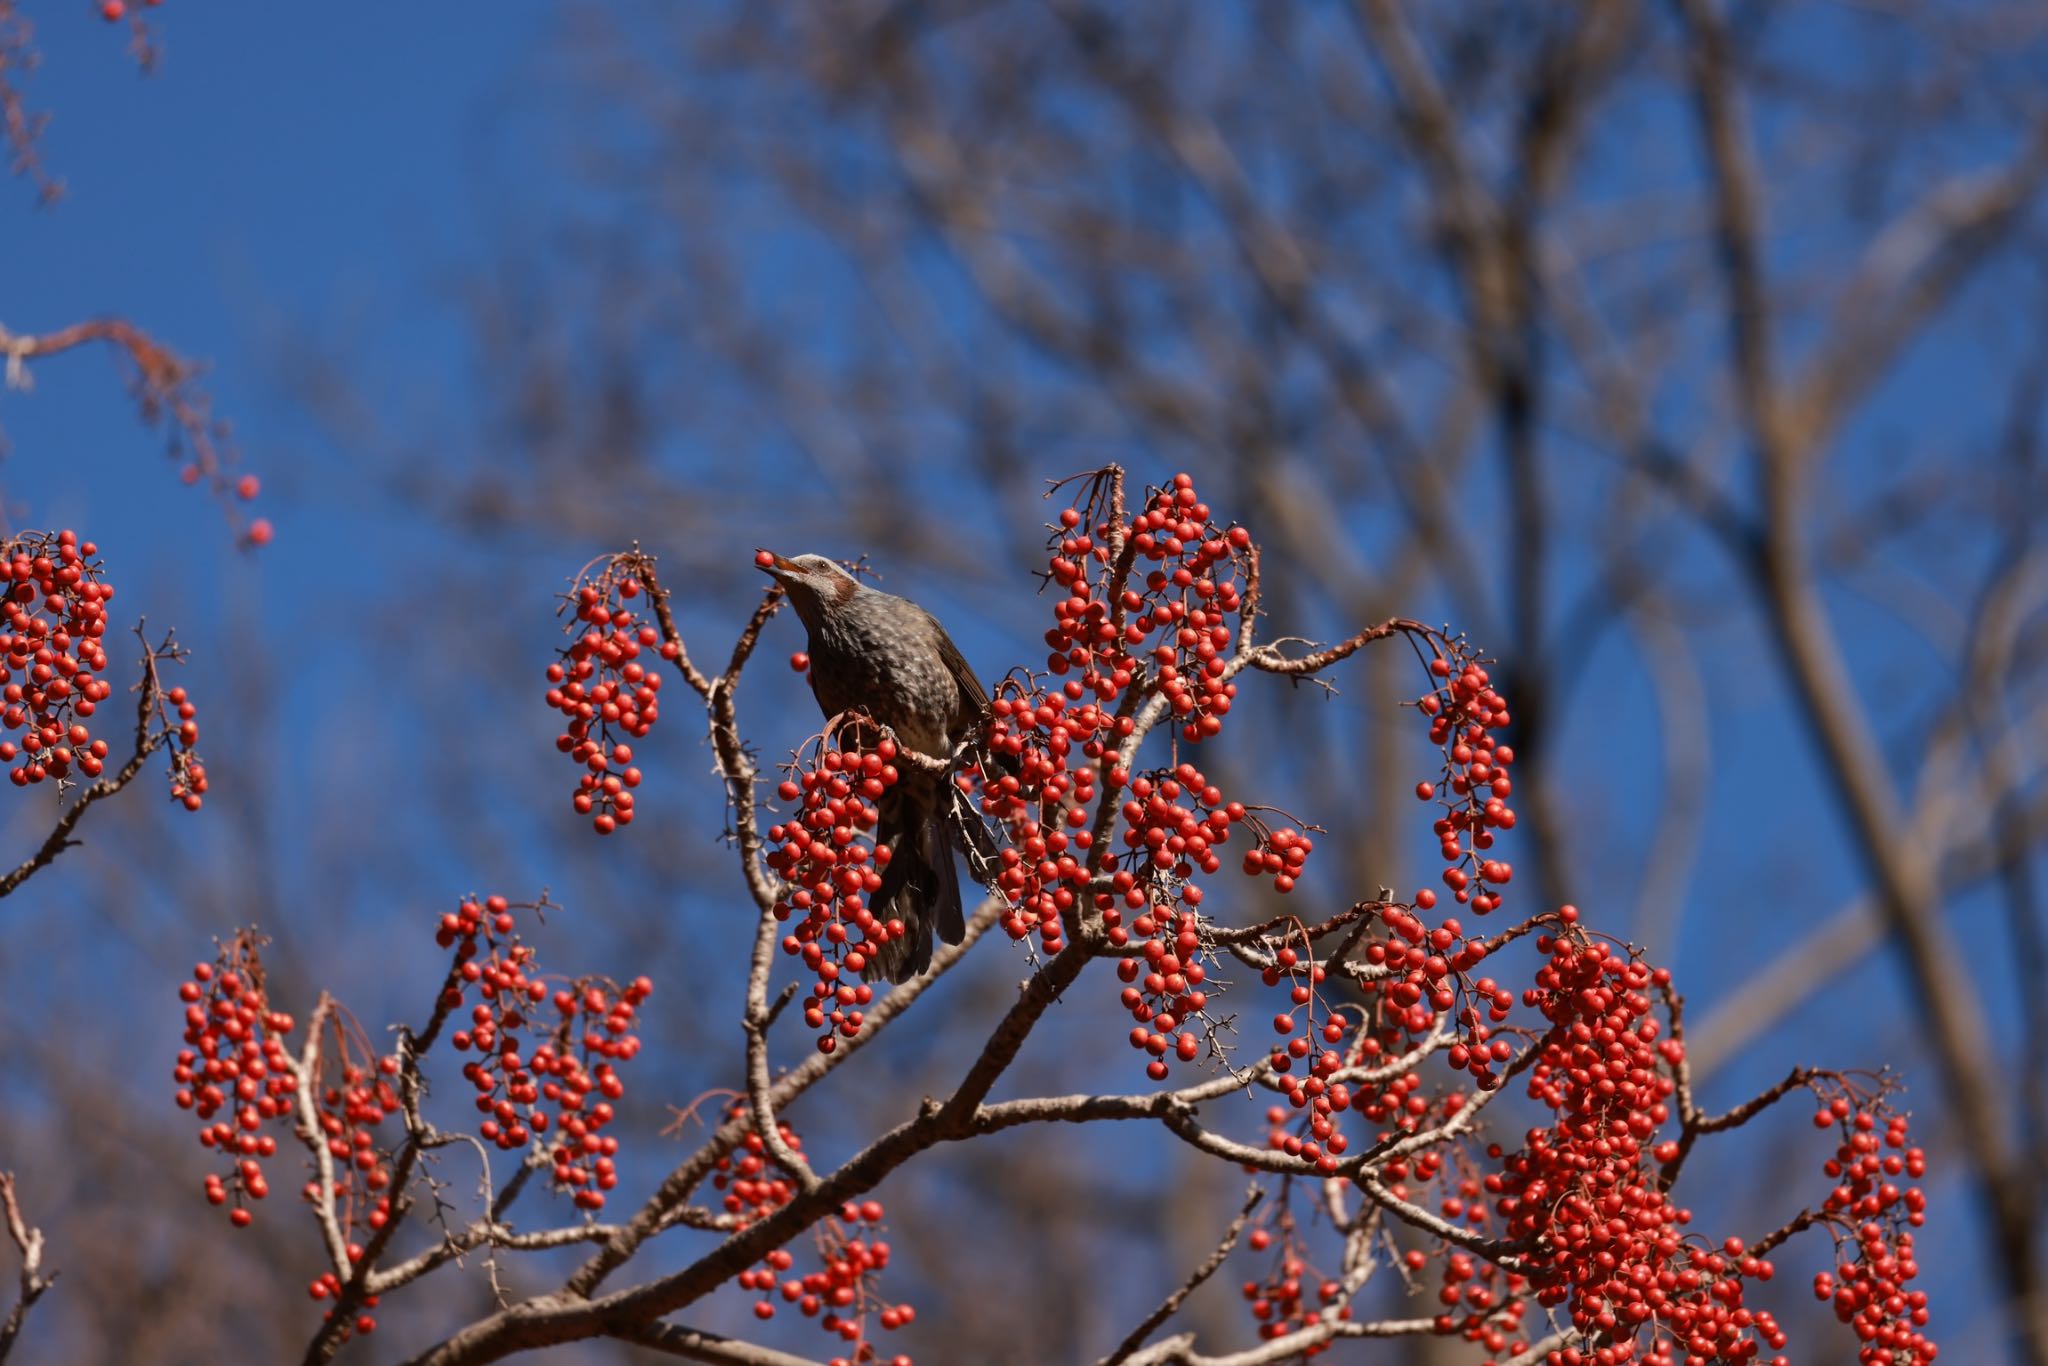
(888, 657)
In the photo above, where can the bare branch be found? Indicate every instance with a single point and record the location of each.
(1180, 1351)
(307, 1090)
(692, 1344)
(29, 1242)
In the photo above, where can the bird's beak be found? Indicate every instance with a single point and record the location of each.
(782, 569)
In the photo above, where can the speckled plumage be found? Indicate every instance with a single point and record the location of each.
(889, 657)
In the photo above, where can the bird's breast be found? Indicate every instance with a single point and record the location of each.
(907, 689)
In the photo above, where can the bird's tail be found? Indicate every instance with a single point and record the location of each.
(920, 886)
(971, 833)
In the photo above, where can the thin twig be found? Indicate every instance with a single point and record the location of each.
(1170, 1306)
(147, 742)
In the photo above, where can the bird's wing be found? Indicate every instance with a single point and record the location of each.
(972, 693)
(974, 701)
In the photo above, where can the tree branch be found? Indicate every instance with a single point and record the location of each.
(29, 1241)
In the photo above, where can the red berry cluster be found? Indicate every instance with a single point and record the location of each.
(1314, 1047)
(1163, 834)
(52, 657)
(1165, 990)
(1184, 602)
(1416, 974)
(841, 1294)
(1316, 1137)
(1463, 710)
(350, 1110)
(1112, 638)
(1279, 855)
(327, 1285)
(188, 775)
(236, 1060)
(606, 689)
(1046, 802)
(164, 375)
(1198, 566)
(349, 1113)
(1427, 971)
(1480, 1302)
(533, 1075)
(1588, 1193)
(829, 866)
(1875, 1251)
(1293, 1294)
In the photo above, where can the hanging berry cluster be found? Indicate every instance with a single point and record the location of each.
(1045, 803)
(53, 658)
(1292, 1294)
(239, 1077)
(1151, 603)
(187, 774)
(1873, 1215)
(842, 1293)
(826, 857)
(1464, 711)
(1177, 622)
(1587, 1192)
(604, 686)
(1313, 1048)
(1415, 975)
(1480, 1302)
(542, 1076)
(1173, 822)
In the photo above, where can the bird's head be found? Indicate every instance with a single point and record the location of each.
(815, 584)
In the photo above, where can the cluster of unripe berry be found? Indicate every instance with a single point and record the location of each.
(825, 855)
(841, 1294)
(607, 687)
(543, 1067)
